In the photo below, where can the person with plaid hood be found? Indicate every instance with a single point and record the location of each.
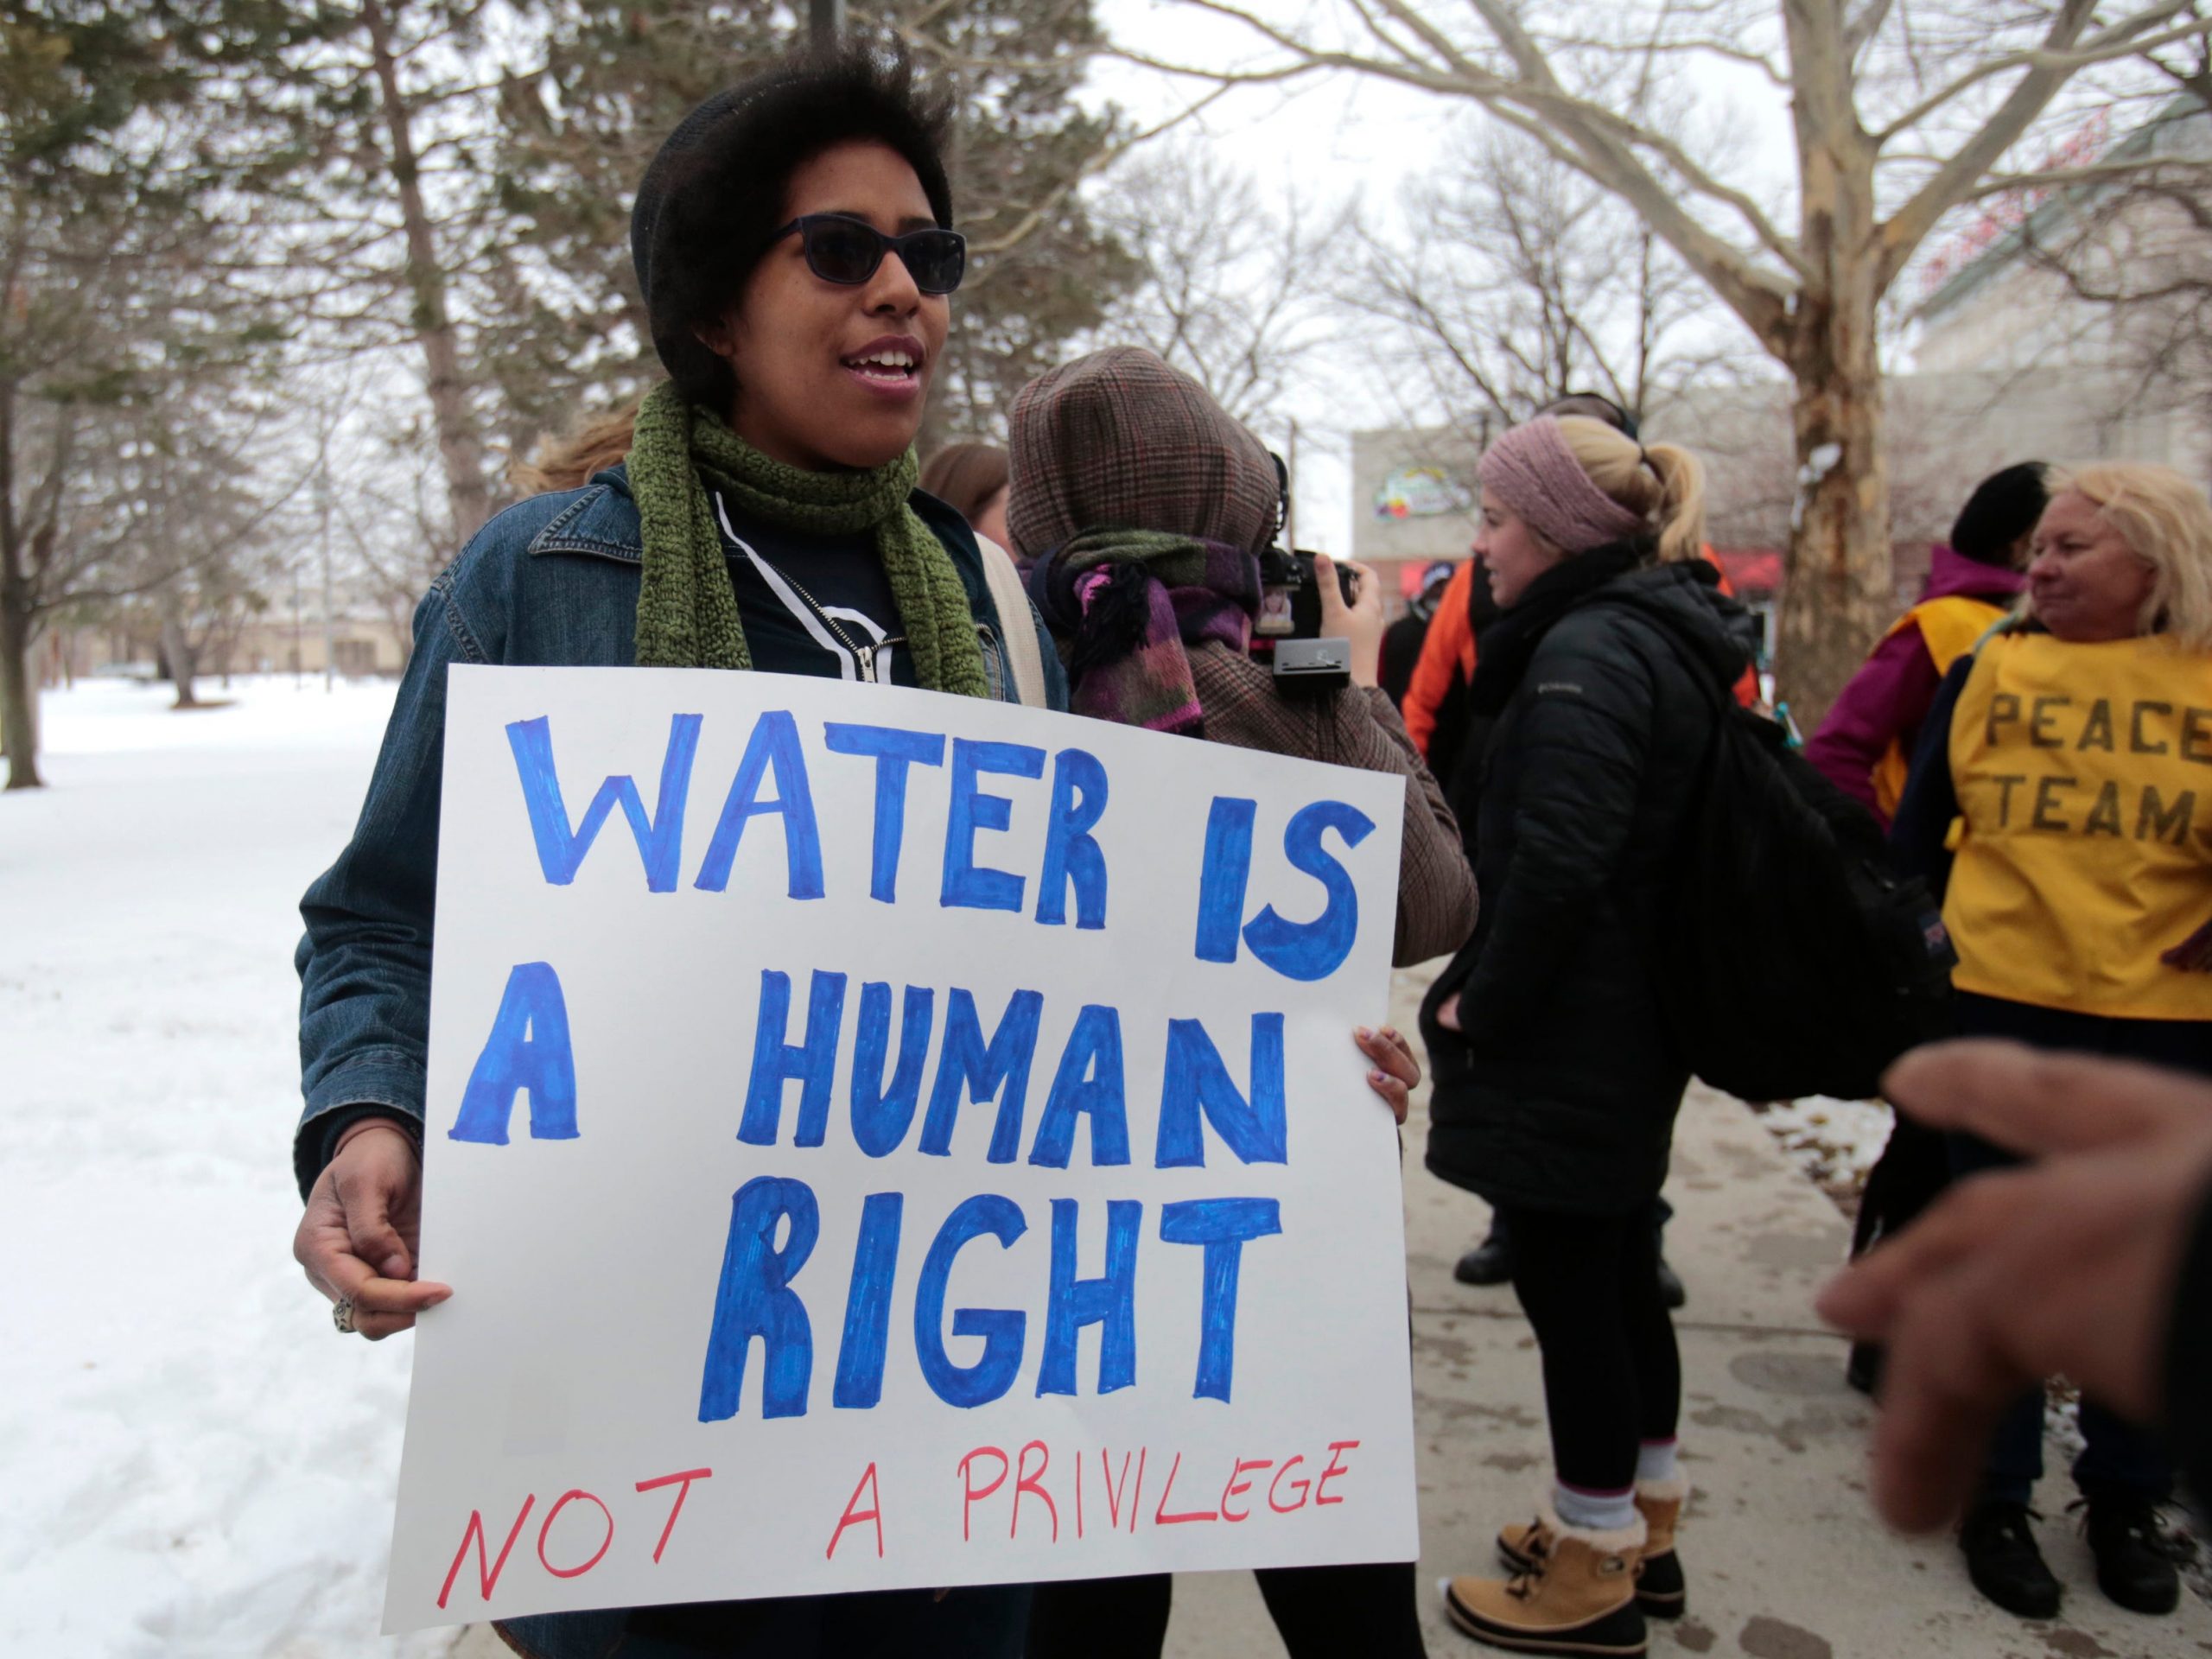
(1140, 507)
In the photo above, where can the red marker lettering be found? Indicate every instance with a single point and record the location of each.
(488, 1577)
(1162, 1518)
(1143, 1451)
(683, 1491)
(1078, 1494)
(1304, 1487)
(553, 1514)
(1113, 1492)
(853, 1517)
(1237, 1484)
(968, 1494)
(1026, 1482)
(1336, 1467)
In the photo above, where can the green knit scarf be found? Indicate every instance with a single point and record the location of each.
(687, 610)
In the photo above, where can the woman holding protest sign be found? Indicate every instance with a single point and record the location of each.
(1143, 508)
(794, 248)
(2069, 751)
(1557, 1083)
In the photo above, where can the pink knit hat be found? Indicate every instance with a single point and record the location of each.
(1532, 472)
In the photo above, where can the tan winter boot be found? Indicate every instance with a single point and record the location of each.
(1660, 1591)
(1522, 1547)
(1659, 1587)
(1577, 1598)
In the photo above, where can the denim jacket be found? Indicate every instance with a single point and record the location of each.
(550, 582)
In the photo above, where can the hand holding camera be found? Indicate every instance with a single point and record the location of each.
(1320, 623)
(1351, 610)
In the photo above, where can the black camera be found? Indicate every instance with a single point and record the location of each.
(1287, 633)
(1290, 595)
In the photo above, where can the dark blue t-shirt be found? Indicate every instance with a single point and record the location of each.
(812, 604)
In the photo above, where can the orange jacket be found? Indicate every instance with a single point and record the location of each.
(1448, 653)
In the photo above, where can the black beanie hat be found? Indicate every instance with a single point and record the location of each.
(715, 193)
(2003, 508)
(1595, 406)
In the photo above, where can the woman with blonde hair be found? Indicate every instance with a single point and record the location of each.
(571, 459)
(1556, 1085)
(2070, 750)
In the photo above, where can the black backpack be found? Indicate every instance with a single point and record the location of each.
(1791, 959)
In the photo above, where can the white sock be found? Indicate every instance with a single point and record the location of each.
(1594, 1511)
(1655, 1460)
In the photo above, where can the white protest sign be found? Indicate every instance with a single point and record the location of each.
(879, 1139)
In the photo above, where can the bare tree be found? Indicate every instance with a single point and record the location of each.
(386, 540)
(1515, 280)
(1899, 113)
(121, 328)
(383, 223)
(1230, 290)
(2124, 265)
(211, 497)
(1940, 439)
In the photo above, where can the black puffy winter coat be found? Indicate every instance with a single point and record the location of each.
(1560, 1090)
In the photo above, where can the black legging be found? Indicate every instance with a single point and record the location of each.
(1321, 1612)
(1613, 1376)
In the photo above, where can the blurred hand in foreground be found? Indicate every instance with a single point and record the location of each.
(2066, 1266)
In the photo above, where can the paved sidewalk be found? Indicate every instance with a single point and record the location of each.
(1785, 1560)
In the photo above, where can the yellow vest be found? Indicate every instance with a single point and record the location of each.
(1948, 628)
(2084, 847)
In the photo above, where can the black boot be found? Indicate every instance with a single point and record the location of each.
(1864, 1369)
(2003, 1561)
(1489, 1262)
(1670, 1283)
(2135, 1557)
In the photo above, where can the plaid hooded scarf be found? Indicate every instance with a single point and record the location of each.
(1142, 507)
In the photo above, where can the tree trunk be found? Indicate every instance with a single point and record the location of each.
(461, 449)
(179, 653)
(1838, 591)
(18, 714)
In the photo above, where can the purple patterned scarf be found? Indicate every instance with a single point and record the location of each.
(1133, 601)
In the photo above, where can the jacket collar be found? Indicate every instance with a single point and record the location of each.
(601, 519)
(1951, 573)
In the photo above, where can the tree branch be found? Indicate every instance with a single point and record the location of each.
(1896, 238)
(1096, 162)
(2120, 40)
(1861, 29)
(2147, 170)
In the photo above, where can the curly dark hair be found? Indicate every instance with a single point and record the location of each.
(717, 191)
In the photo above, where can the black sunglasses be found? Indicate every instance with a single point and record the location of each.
(846, 251)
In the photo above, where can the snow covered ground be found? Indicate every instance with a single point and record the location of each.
(197, 1464)
(1835, 1143)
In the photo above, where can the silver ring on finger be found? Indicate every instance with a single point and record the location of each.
(342, 1315)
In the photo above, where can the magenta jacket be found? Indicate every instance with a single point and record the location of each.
(1887, 698)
